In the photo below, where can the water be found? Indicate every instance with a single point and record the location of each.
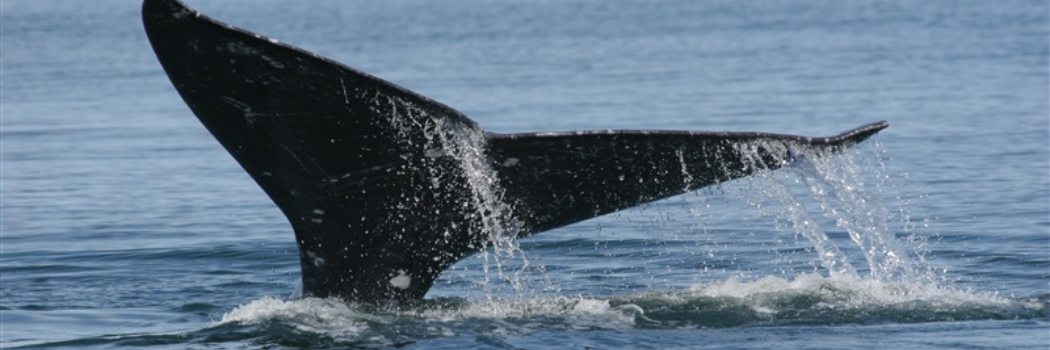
(125, 225)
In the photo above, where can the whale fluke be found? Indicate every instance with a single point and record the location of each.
(385, 188)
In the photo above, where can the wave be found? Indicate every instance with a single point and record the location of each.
(805, 300)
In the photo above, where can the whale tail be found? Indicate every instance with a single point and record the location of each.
(385, 188)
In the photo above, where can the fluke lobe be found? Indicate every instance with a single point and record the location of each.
(385, 188)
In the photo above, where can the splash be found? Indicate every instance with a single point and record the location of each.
(343, 323)
(839, 185)
(331, 317)
(806, 300)
(847, 188)
(494, 218)
(814, 299)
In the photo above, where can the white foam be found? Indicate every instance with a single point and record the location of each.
(577, 312)
(835, 292)
(342, 318)
(839, 298)
(326, 316)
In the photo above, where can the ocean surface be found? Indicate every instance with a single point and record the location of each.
(125, 225)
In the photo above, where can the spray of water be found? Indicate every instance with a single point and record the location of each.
(493, 217)
(847, 188)
(497, 222)
(844, 185)
(442, 138)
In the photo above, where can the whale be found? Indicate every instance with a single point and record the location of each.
(385, 189)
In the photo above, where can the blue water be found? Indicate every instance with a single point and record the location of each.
(125, 225)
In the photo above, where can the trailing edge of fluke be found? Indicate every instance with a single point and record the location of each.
(385, 188)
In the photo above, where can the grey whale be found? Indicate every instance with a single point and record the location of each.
(385, 188)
